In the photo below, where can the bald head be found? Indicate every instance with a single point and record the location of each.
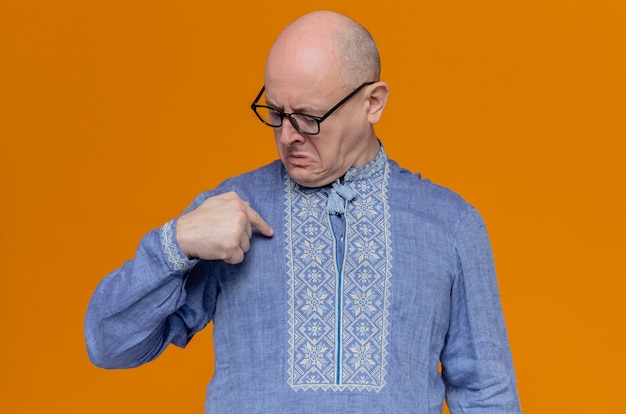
(325, 44)
(320, 60)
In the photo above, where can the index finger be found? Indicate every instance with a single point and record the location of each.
(258, 223)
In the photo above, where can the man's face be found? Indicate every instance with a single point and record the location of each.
(344, 139)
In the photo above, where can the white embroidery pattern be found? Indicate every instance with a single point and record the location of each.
(339, 314)
(170, 248)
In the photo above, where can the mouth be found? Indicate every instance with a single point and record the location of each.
(298, 160)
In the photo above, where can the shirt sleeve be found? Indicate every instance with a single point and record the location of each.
(151, 301)
(476, 360)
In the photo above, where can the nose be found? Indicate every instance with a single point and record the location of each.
(288, 133)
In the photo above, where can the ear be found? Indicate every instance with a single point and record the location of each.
(377, 100)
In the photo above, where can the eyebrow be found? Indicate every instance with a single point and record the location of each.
(306, 110)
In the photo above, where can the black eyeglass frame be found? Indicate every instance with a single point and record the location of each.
(294, 123)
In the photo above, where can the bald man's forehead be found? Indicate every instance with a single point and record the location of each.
(314, 63)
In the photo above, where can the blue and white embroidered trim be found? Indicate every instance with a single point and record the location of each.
(176, 260)
(339, 312)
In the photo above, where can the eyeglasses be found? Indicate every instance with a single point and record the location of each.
(303, 123)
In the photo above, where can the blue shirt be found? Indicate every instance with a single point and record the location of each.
(367, 286)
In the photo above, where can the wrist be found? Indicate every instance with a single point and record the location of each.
(174, 254)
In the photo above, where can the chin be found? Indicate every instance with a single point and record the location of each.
(305, 179)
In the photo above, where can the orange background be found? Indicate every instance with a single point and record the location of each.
(115, 114)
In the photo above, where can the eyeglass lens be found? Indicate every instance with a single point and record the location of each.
(301, 122)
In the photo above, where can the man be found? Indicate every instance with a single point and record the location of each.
(336, 281)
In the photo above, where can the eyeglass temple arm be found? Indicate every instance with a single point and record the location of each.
(258, 97)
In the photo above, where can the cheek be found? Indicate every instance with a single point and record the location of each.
(329, 153)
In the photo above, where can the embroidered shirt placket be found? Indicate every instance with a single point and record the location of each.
(339, 227)
(338, 265)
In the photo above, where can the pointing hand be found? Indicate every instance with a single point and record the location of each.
(220, 229)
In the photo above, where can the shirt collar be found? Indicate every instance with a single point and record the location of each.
(343, 189)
